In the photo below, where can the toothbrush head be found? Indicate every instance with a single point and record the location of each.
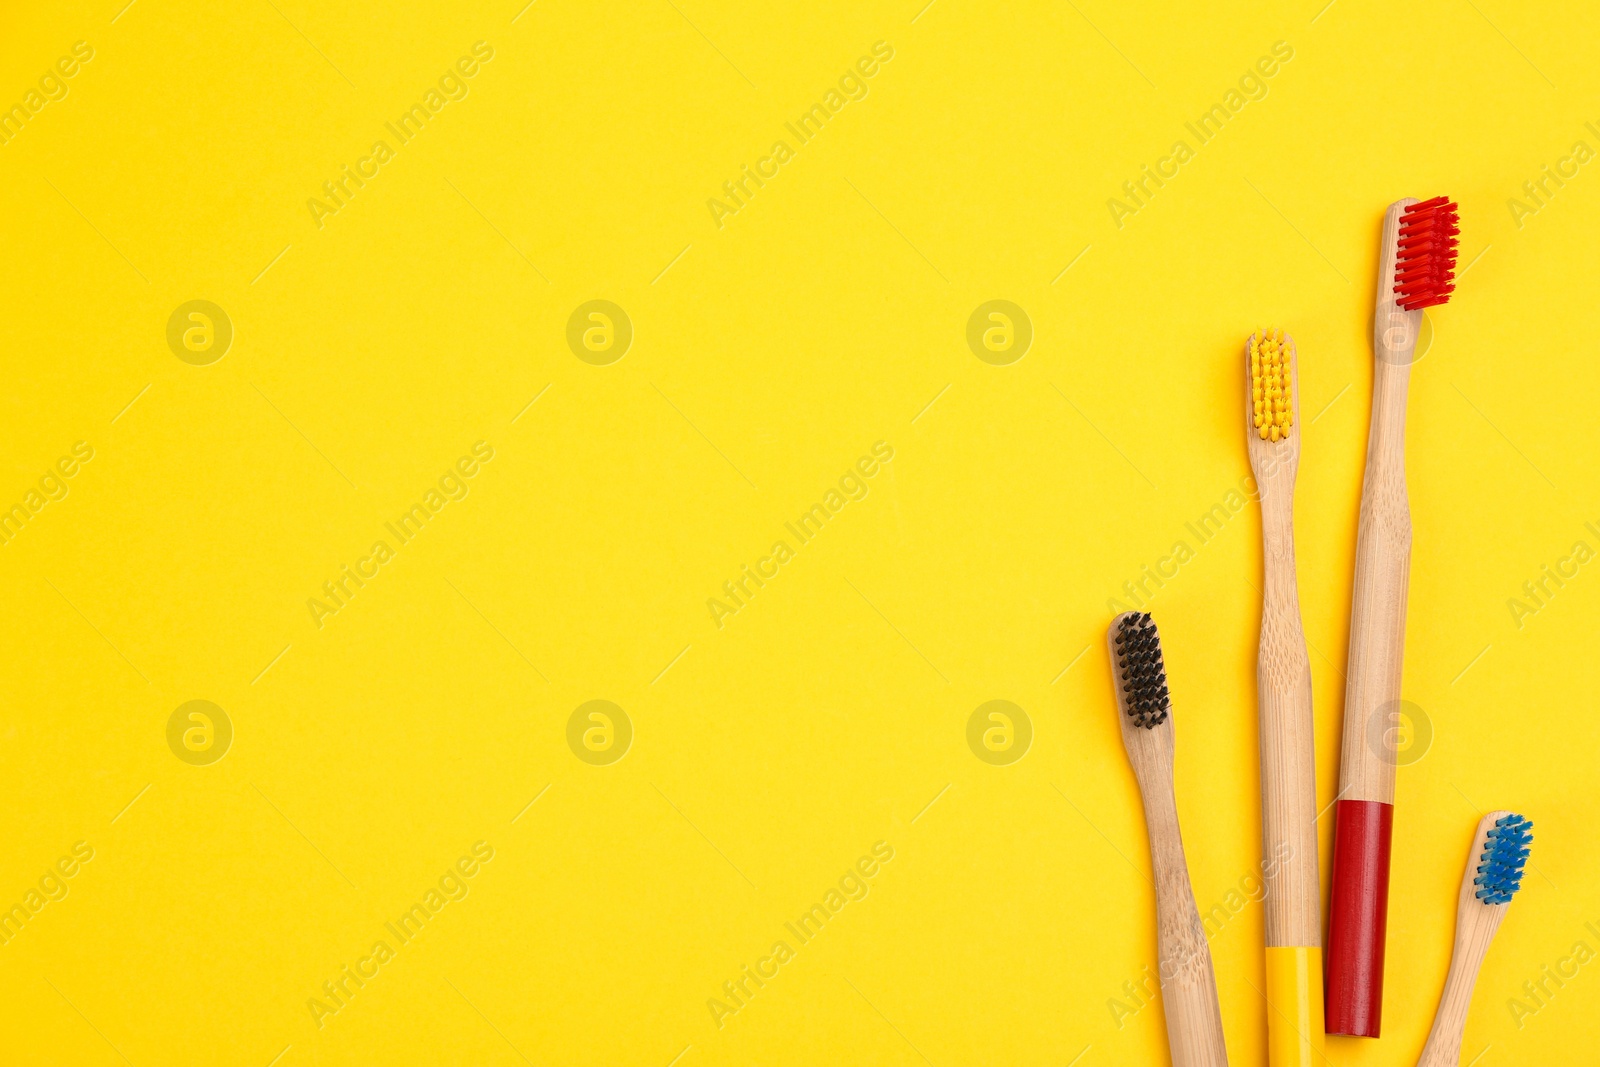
(1425, 262)
(1271, 384)
(1141, 674)
(1505, 852)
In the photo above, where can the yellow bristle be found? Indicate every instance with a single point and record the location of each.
(1270, 396)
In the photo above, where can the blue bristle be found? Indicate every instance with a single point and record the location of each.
(1505, 852)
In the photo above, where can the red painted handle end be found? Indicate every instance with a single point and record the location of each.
(1358, 914)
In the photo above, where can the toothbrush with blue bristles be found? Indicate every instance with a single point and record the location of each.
(1494, 874)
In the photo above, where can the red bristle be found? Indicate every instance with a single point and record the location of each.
(1425, 267)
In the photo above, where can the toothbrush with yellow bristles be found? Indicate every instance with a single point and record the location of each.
(1283, 682)
(1270, 385)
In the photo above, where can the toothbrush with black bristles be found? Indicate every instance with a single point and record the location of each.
(1494, 874)
(1188, 984)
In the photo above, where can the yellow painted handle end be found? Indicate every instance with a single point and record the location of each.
(1294, 1007)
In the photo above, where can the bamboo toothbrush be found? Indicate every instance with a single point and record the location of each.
(1417, 263)
(1293, 901)
(1494, 874)
(1188, 986)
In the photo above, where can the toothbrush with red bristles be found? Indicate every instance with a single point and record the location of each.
(1416, 270)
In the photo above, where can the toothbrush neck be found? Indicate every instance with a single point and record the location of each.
(1277, 535)
(1391, 385)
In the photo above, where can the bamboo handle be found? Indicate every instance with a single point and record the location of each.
(1383, 548)
(1476, 925)
(1358, 900)
(1293, 907)
(1288, 805)
(1378, 603)
(1450, 1023)
(1288, 767)
(1188, 983)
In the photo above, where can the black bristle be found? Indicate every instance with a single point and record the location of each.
(1141, 670)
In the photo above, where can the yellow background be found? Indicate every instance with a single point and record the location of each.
(768, 355)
